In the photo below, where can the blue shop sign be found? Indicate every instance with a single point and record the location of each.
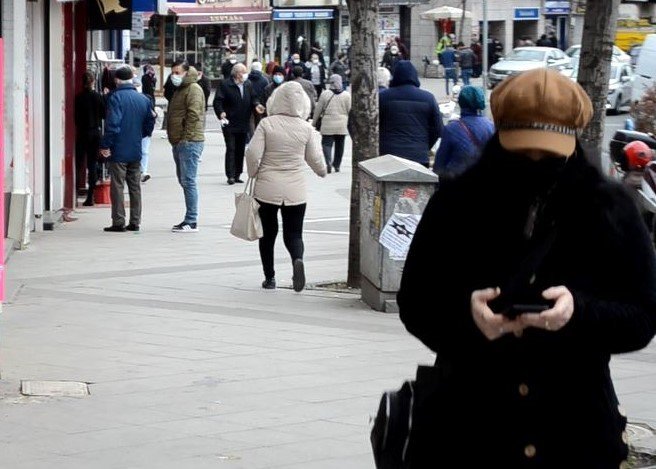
(556, 8)
(522, 14)
(302, 15)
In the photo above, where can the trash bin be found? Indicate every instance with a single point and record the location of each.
(393, 194)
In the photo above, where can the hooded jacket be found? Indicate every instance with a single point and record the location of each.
(186, 114)
(259, 82)
(410, 120)
(281, 146)
(129, 119)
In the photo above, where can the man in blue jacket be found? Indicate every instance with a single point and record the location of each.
(410, 120)
(129, 119)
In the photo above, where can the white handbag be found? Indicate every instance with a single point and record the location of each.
(246, 224)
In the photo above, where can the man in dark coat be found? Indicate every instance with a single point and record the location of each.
(130, 118)
(226, 68)
(258, 80)
(410, 120)
(204, 83)
(277, 79)
(294, 62)
(235, 101)
(528, 223)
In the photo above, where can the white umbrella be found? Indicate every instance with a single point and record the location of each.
(444, 13)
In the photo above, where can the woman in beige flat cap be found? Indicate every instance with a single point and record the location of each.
(524, 276)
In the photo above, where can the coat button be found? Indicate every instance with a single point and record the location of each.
(621, 410)
(529, 451)
(523, 390)
(625, 438)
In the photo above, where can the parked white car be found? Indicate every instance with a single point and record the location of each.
(619, 55)
(645, 71)
(619, 86)
(522, 59)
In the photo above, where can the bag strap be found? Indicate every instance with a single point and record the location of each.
(323, 111)
(476, 141)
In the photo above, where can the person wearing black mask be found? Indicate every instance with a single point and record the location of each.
(525, 275)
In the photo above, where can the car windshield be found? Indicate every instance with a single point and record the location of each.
(574, 52)
(526, 55)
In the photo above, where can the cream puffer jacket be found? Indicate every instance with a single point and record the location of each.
(335, 117)
(282, 145)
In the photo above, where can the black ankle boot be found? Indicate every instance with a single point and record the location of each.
(269, 284)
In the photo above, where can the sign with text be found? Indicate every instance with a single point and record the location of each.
(527, 14)
(291, 15)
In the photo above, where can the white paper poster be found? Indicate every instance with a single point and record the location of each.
(398, 233)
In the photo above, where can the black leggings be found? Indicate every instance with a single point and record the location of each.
(292, 233)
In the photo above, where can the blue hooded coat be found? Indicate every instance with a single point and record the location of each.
(410, 120)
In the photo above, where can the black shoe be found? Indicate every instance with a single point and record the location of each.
(329, 168)
(336, 169)
(298, 280)
(231, 181)
(145, 177)
(115, 229)
(238, 180)
(132, 227)
(88, 203)
(269, 284)
(185, 228)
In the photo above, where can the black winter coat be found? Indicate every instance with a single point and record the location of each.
(206, 86)
(238, 109)
(259, 82)
(545, 400)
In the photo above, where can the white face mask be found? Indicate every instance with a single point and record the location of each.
(233, 61)
(296, 61)
(244, 77)
(176, 80)
(394, 50)
(315, 61)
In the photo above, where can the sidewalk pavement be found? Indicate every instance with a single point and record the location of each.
(190, 363)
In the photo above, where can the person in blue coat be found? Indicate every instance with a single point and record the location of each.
(130, 118)
(463, 140)
(410, 119)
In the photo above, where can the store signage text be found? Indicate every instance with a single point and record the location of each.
(282, 15)
(527, 14)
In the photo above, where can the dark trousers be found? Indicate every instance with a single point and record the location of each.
(292, 233)
(234, 156)
(86, 149)
(327, 144)
(319, 89)
(121, 173)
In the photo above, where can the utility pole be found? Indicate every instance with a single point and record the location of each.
(485, 44)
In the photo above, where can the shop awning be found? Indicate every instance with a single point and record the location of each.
(303, 15)
(213, 15)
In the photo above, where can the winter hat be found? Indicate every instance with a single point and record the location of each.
(278, 69)
(472, 98)
(335, 82)
(124, 73)
(540, 110)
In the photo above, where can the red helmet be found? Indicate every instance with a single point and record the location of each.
(638, 154)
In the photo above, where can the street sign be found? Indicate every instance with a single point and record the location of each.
(137, 30)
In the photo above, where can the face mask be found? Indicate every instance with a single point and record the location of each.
(176, 80)
(297, 61)
(394, 51)
(233, 61)
(244, 77)
(315, 61)
(277, 79)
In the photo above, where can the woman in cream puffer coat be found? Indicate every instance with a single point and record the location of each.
(277, 155)
(333, 110)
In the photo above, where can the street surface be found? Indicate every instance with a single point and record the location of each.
(190, 363)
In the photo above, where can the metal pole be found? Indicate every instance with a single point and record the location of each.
(196, 44)
(185, 43)
(162, 47)
(272, 41)
(485, 44)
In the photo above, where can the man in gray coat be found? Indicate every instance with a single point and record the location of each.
(307, 86)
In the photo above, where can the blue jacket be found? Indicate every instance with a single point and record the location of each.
(410, 120)
(448, 58)
(129, 119)
(458, 151)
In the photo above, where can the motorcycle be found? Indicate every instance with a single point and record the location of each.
(634, 163)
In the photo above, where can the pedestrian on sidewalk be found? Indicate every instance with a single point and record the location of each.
(204, 83)
(130, 118)
(525, 227)
(186, 133)
(384, 78)
(307, 85)
(463, 140)
(333, 111)
(235, 101)
(448, 61)
(391, 58)
(317, 74)
(148, 83)
(466, 59)
(340, 67)
(89, 114)
(283, 143)
(277, 79)
(410, 119)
